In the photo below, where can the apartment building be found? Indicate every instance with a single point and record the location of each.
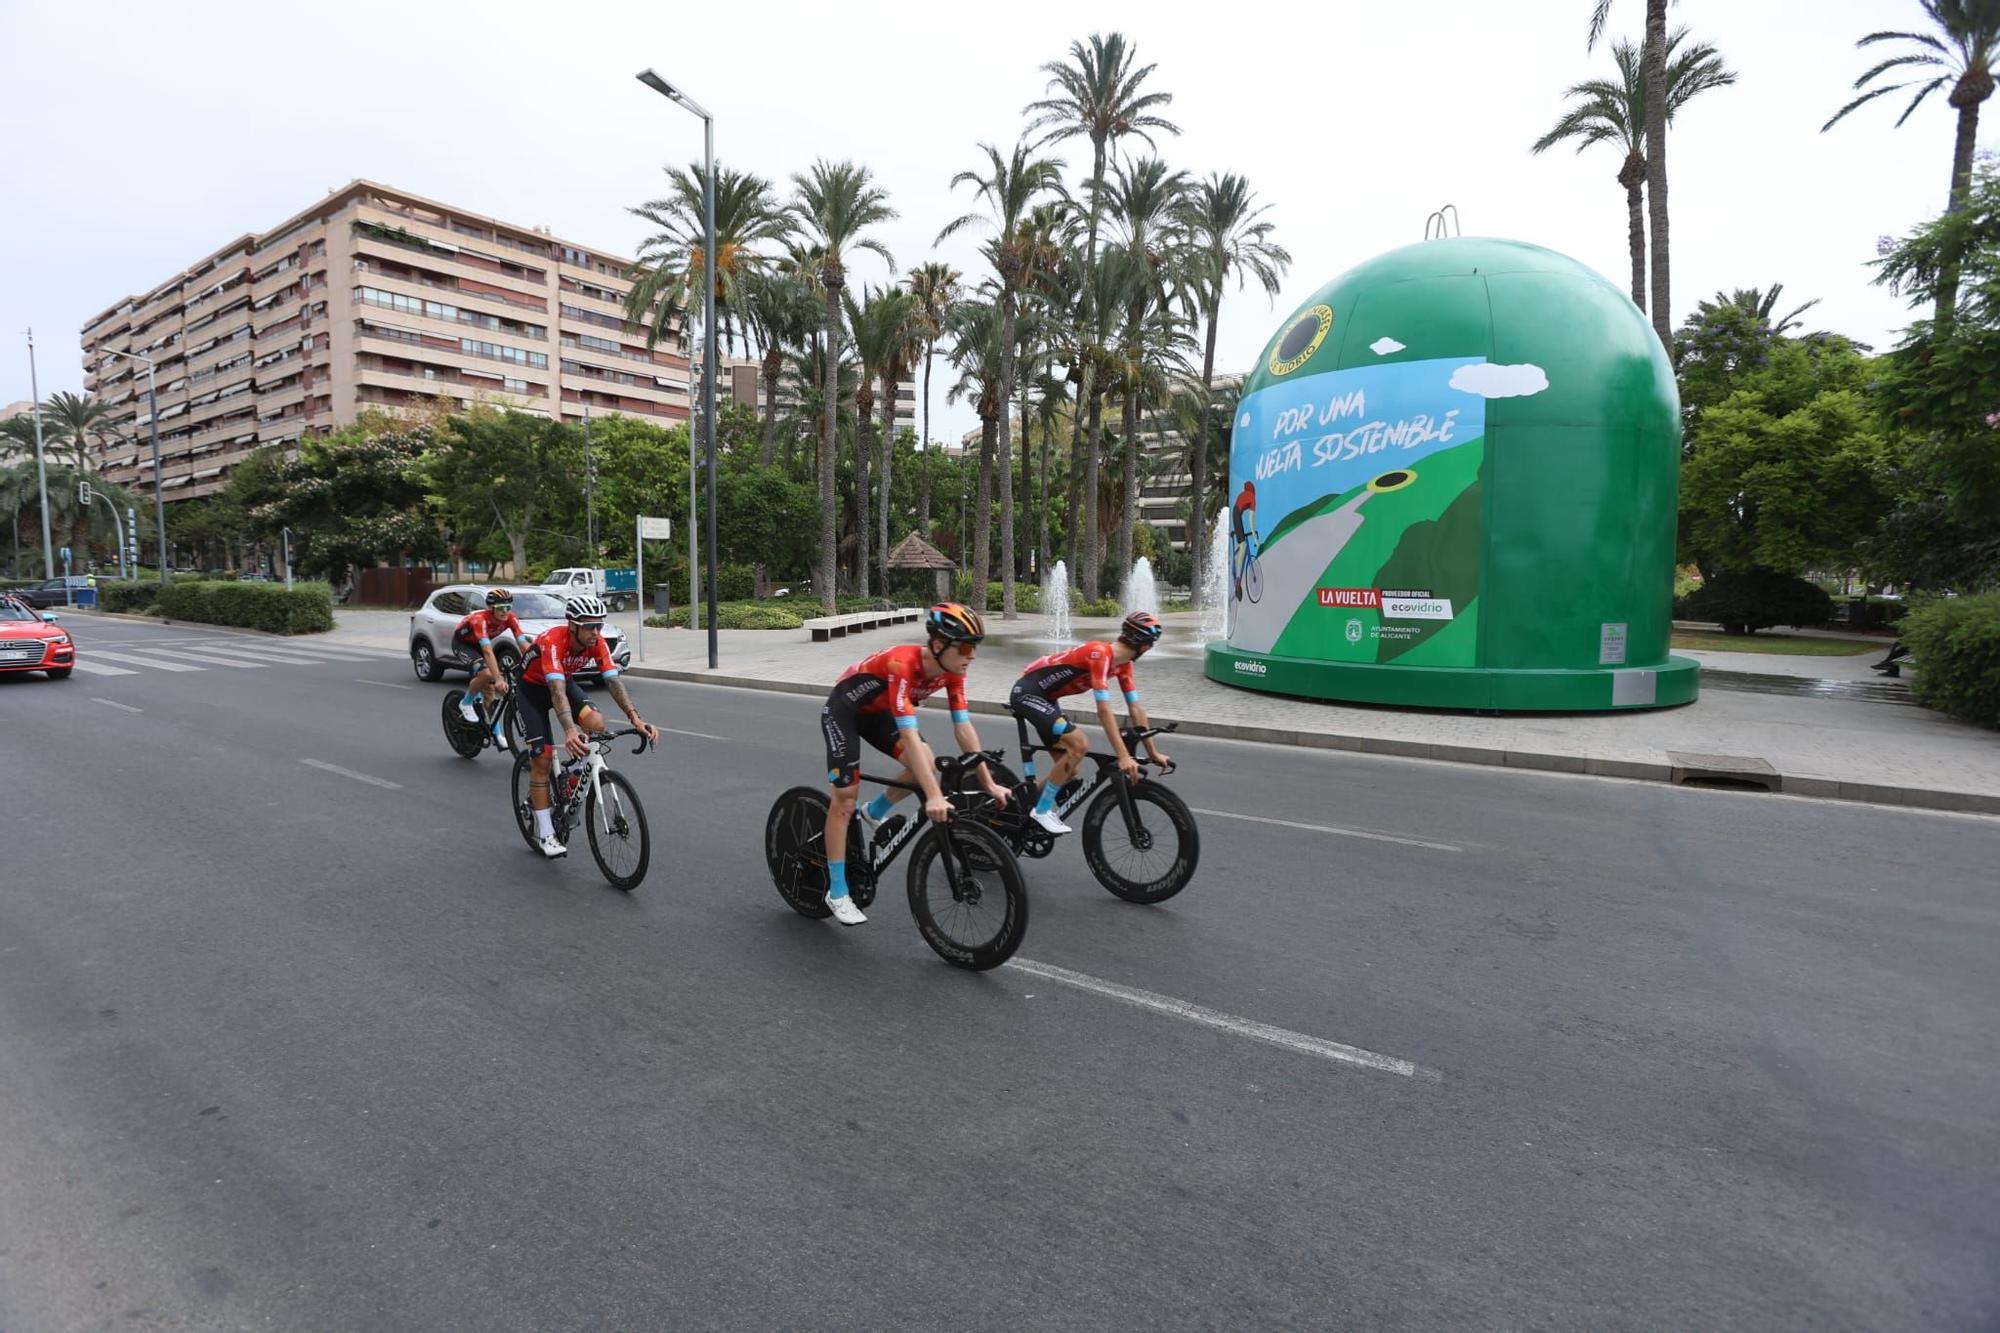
(370, 298)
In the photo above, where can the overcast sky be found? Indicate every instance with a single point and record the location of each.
(136, 137)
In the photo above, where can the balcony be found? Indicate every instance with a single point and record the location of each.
(440, 256)
(277, 282)
(444, 382)
(283, 396)
(376, 276)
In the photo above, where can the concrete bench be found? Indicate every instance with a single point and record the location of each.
(824, 628)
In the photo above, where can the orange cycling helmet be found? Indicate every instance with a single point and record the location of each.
(954, 623)
(1141, 629)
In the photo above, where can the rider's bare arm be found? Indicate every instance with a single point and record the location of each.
(917, 757)
(1141, 722)
(968, 743)
(1109, 721)
(559, 701)
(615, 687)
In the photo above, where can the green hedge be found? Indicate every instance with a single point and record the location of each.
(1027, 596)
(1956, 641)
(1745, 601)
(744, 615)
(1103, 606)
(306, 609)
(126, 595)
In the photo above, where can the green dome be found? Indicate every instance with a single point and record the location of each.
(1454, 479)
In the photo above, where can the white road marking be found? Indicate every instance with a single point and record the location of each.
(1299, 1042)
(99, 669)
(350, 773)
(1329, 828)
(113, 703)
(209, 658)
(385, 684)
(676, 731)
(153, 662)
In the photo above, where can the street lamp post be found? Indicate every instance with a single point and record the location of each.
(153, 412)
(708, 370)
(41, 468)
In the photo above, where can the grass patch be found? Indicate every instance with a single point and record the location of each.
(1785, 645)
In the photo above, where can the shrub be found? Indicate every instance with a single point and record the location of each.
(1745, 601)
(1103, 606)
(126, 594)
(306, 609)
(743, 615)
(1956, 641)
(734, 583)
(1027, 595)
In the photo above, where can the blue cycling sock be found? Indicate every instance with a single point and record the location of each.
(836, 875)
(878, 809)
(1048, 800)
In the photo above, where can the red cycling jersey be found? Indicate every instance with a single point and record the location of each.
(1088, 666)
(556, 655)
(902, 670)
(485, 626)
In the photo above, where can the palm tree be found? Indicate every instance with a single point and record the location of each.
(1966, 48)
(880, 324)
(1144, 199)
(1759, 304)
(782, 313)
(1604, 111)
(1097, 95)
(1653, 78)
(837, 202)
(1051, 395)
(1227, 237)
(905, 343)
(976, 352)
(668, 272)
(937, 287)
(1011, 191)
(76, 420)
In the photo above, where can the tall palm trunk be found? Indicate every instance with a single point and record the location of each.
(1072, 534)
(1093, 528)
(888, 466)
(1093, 540)
(1966, 97)
(982, 522)
(829, 554)
(1042, 505)
(924, 448)
(1027, 491)
(1009, 323)
(1128, 510)
(1633, 177)
(773, 368)
(1655, 62)
(1197, 527)
(864, 453)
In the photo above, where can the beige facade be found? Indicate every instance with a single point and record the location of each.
(371, 298)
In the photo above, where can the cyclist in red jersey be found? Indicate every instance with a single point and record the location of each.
(548, 684)
(1088, 666)
(876, 700)
(478, 633)
(1242, 531)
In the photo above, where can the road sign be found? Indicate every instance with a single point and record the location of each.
(656, 529)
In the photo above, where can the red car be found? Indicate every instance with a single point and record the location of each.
(30, 643)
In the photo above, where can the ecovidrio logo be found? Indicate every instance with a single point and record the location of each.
(1251, 668)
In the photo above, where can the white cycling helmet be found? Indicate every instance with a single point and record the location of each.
(585, 608)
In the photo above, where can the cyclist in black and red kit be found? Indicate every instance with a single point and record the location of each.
(876, 700)
(1088, 666)
(476, 635)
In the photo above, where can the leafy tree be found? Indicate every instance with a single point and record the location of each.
(937, 287)
(77, 421)
(505, 471)
(1653, 79)
(355, 497)
(672, 262)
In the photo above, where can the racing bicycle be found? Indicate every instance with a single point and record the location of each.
(467, 739)
(965, 889)
(586, 792)
(1139, 838)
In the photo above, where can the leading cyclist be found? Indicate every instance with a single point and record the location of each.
(548, 683)
(876, 700)
(1088, 666)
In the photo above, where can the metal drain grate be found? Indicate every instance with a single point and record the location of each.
(1741, 772)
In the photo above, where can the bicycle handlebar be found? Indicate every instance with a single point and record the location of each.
(606, 738)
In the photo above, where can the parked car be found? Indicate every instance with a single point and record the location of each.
(30, 640)
(50, 592)
(433, 623)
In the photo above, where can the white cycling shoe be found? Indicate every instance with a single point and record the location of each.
(467, 710)
(550, 848)
(845, 912)
(500, 739)
(1049, 821)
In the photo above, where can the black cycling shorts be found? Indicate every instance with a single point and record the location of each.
(846, 726)
(1042, 713)
(535, 703)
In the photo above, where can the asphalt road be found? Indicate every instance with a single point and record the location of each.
(288, 1048)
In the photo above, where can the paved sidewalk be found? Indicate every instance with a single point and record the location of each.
(1819, 742)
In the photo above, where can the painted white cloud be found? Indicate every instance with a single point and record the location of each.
(1384, 346)
(1491, 381)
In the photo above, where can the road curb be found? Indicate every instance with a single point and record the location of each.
(1918, 798)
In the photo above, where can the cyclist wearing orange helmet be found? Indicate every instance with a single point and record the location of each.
(1088, 666)
(876, 700)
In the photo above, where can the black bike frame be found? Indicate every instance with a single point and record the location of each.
(1107, 767)
(949, 771)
